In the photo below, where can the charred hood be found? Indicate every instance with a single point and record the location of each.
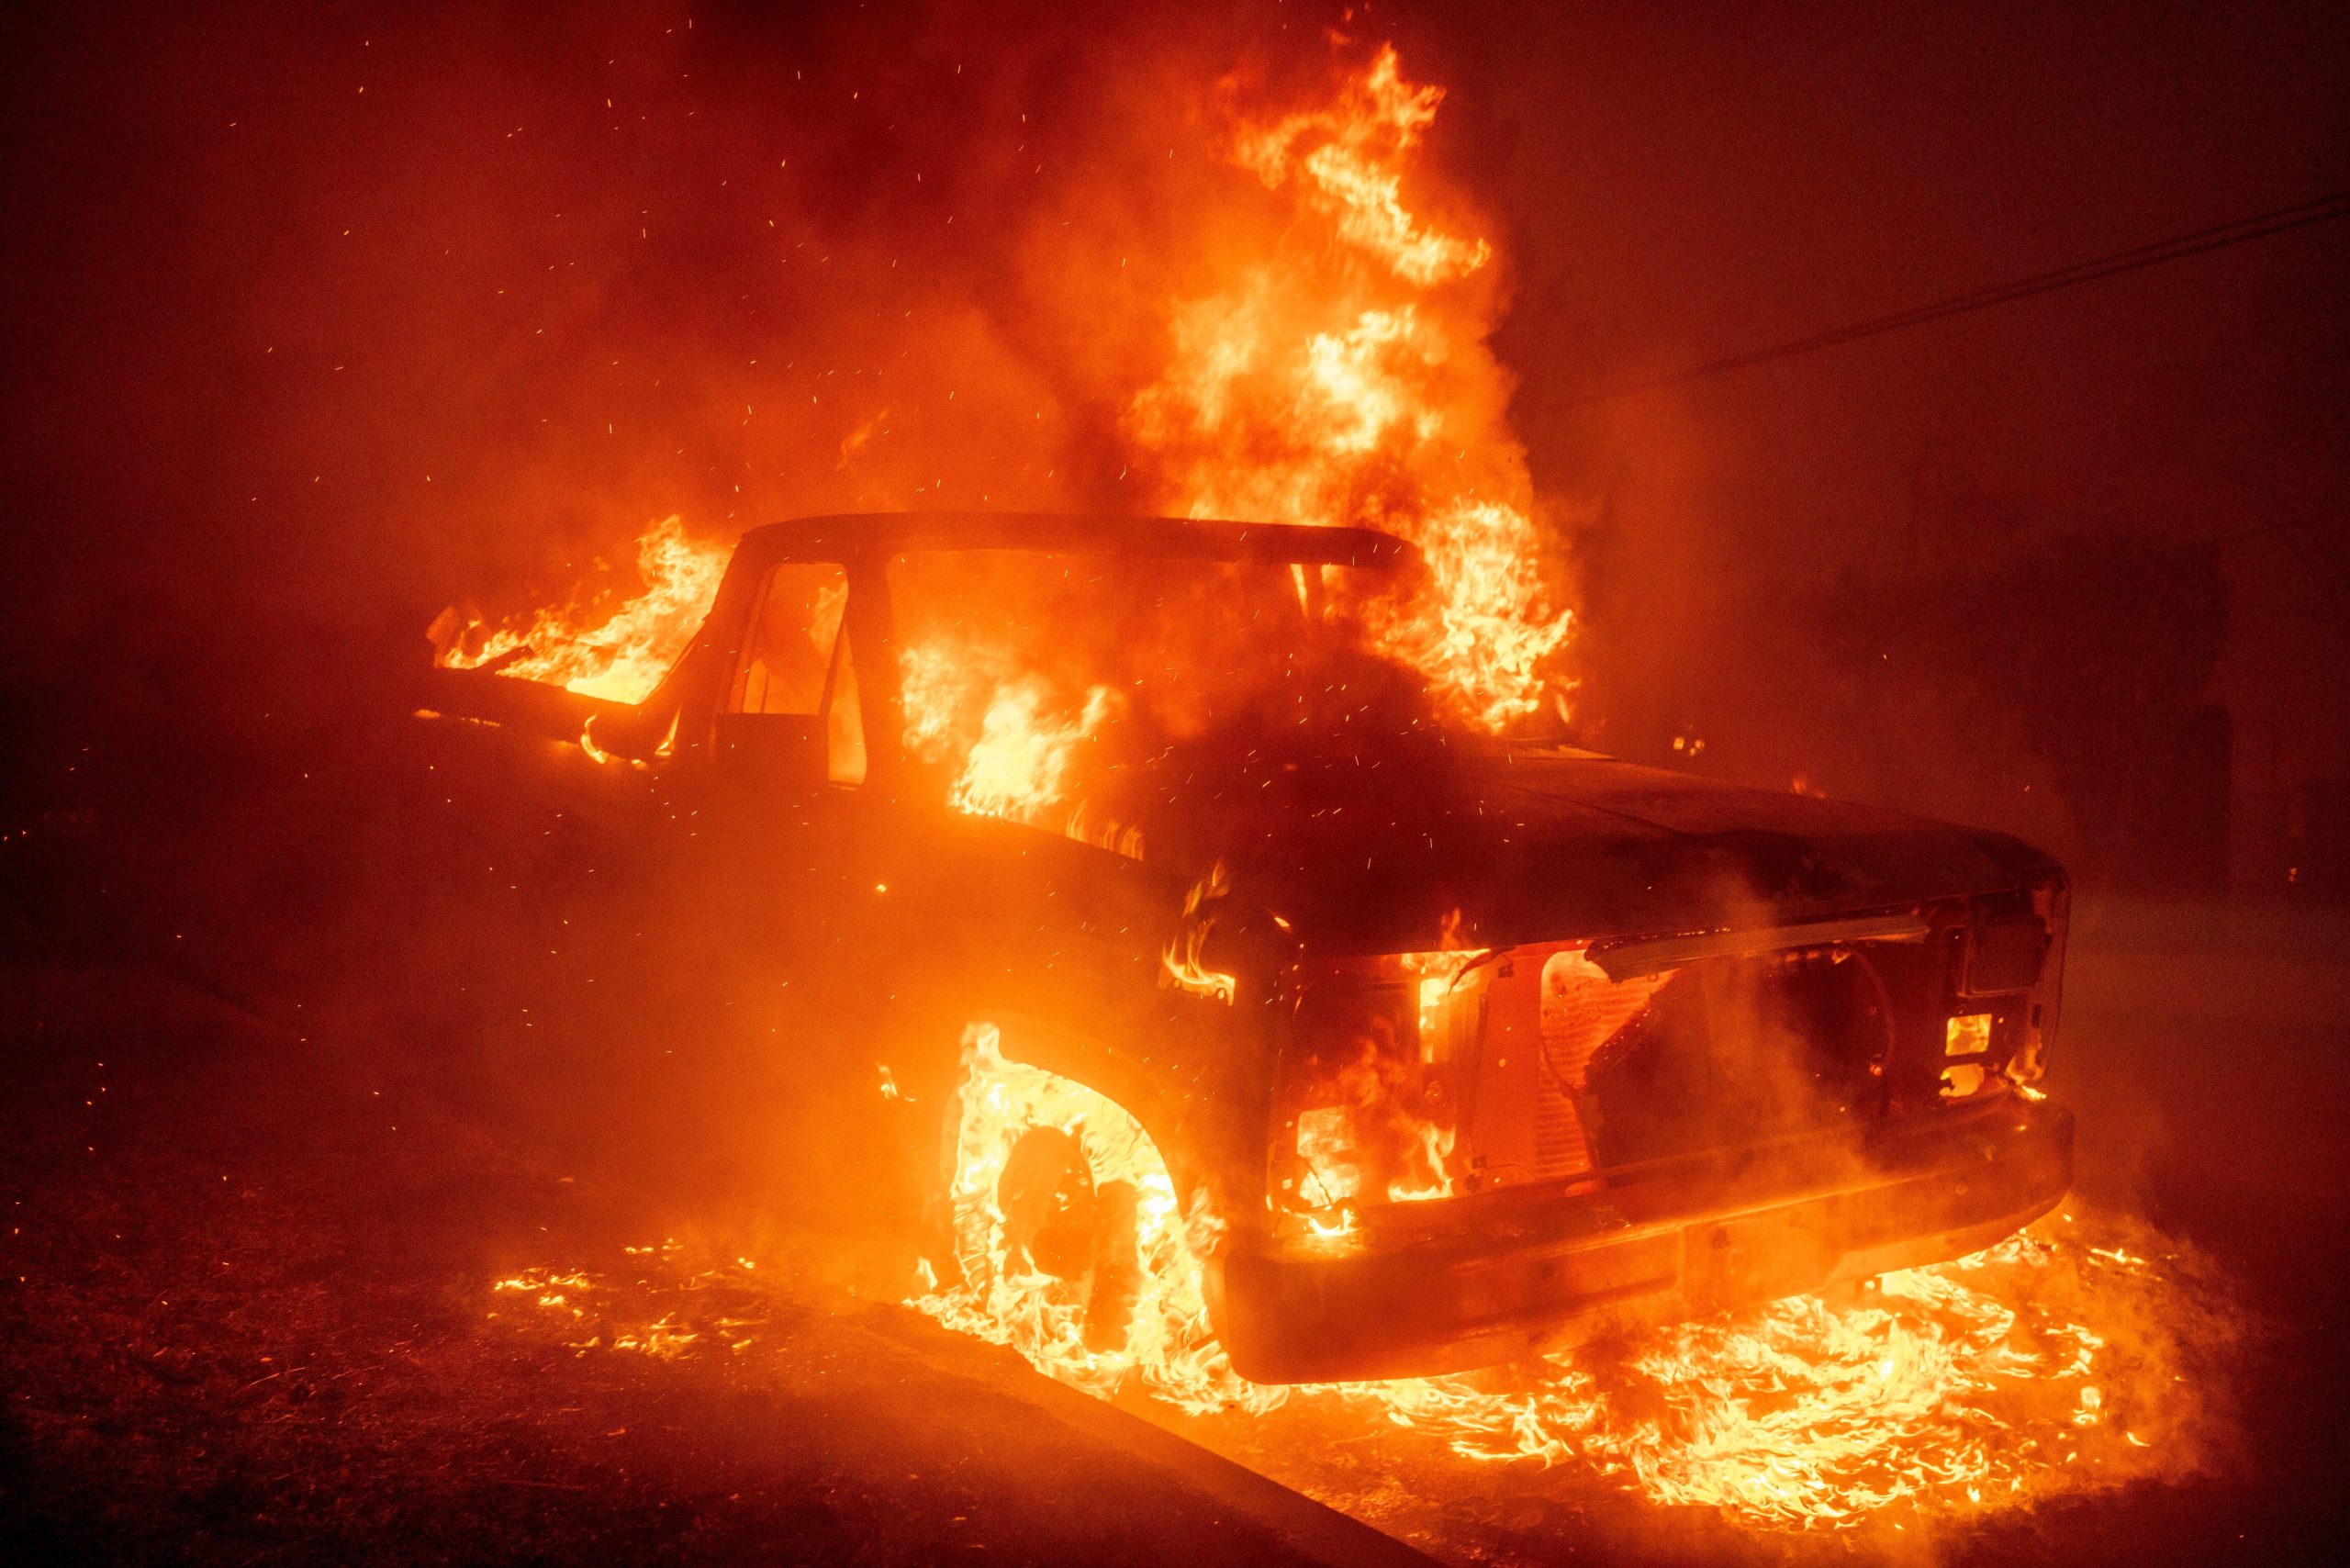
(1373, 852)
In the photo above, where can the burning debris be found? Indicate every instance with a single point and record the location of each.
(669, 1310)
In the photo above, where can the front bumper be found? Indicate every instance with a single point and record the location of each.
(1484, 1280)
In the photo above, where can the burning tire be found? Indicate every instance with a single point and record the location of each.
(1069, 1240)
(1061, 1221)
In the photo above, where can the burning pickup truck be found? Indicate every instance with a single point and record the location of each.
(1423, 1050)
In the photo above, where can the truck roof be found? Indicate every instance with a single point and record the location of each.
(840, 535)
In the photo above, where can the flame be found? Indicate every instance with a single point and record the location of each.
(1434, 974)
(1012, 741)
(624, 655)
(1428, 1174)
(2039, 1366)
(1181, 963)
(1327, 1142)
(1187, 974)
(1020, 765)
(1352, 175)
(1374, 1124)
(939, 685)
(1367, 1127)
(1341, 376)
(1338, 373)
(1006, 1298)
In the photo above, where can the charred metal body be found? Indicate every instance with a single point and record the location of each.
(1469, 1049)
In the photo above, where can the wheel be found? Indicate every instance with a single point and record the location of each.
(1061, 1222)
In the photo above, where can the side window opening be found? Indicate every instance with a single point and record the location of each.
(797, 664)
(789, 653)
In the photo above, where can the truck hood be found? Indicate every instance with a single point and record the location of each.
(1379, 852)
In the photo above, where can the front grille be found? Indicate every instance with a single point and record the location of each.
(1582, 1010)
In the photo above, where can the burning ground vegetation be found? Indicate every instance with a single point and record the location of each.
(1336, 372)
(2083, 1355)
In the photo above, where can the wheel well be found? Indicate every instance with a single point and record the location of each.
(1077, 1054)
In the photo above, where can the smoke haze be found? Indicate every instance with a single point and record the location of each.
(322, 321)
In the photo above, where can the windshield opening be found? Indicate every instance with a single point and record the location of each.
(1060, 688)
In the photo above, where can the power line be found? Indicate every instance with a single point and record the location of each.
(2303, 215)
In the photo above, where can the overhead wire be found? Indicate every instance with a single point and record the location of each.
(2259, 226)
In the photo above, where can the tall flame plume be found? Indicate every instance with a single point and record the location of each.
(1341, 375)
(1338, 374)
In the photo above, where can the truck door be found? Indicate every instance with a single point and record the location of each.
(794, 817)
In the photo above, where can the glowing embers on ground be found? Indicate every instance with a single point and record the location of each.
(622, 652)
(664, 1306)
(2042, 1366)
(1969, 1385)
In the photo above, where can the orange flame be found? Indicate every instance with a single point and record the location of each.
(1007, 1299)
(624, 655)
(1339, 374)
(1019, 766)
(1012, 741)
(1352, 173)
(1348, 381)
(1181, 964)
